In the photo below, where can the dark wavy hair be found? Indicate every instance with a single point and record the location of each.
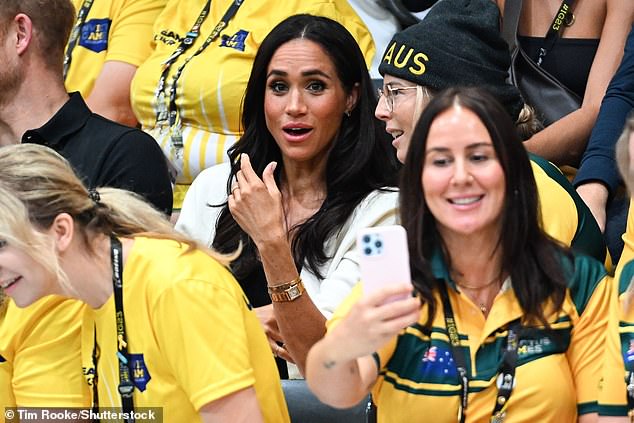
(534, 261)
(360, 160)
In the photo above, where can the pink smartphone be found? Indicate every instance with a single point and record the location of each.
(383, 257)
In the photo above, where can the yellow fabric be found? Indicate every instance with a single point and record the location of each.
(628, 240)
(211, 88)
(612, 395)
(555, 201)
(620, 335)
(545, 382)
(40, 344)
(123, 27)
(198, 337)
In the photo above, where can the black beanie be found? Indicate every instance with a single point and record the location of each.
(458, 43)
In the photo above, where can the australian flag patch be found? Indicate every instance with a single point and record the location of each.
(437, 364)
(94, 34)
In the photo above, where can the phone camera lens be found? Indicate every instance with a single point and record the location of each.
(378, 244)
(366, 239)
(367, 251)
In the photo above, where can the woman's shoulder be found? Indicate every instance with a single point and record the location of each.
(384, 197)
(49, 319)
(584, 275)
(203, 202)
(212, 177)
(586, 266)
(624, 276)
(172, 261)
(378, 205)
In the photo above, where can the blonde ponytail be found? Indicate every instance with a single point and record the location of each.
(527, 123)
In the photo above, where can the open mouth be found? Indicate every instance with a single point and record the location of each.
(396, 134)
(297, 131)
(465, 201)
(7, 284)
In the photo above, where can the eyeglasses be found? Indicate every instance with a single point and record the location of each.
(390, 94)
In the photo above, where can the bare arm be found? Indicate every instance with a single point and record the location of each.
(588, 418)
(241, 406)
(598, 174)
(606, 419)
(340, 384)
(340, 369)
(110, 96)
(267, 317)
(595, 195)
(257, 207)
(564, 142)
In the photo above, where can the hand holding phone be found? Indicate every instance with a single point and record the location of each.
(383, 257)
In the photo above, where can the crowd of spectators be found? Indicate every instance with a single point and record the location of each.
(182, 183)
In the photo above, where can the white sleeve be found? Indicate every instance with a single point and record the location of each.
(378, 209)
(203, 203)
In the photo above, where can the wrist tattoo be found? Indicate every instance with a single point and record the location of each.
(329, 364)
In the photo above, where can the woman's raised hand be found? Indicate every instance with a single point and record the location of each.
(256, 204)
(373, 321)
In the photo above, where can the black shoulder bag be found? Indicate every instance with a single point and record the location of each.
(549, 97)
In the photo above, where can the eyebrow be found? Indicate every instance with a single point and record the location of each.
(395, 84)
(469, 147)
(310, 72)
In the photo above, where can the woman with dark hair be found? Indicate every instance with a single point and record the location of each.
(188, 92)
(312, 167)
(483, 62)
(503, 310)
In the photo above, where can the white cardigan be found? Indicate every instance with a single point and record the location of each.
(198, 221)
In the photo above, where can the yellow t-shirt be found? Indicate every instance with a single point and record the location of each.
(619, 349)
(192, 336)
(556, 378)
(40, 361)
(212, 85)
(564, 215)
(114, 30)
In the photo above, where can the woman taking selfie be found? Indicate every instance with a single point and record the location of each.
(507, 322)
(483, 63)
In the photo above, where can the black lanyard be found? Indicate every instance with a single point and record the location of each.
(74, 35)
(126, 387)
(95, 378)
(561, 19)
(169, 114)
(185, 45)
(506, 374)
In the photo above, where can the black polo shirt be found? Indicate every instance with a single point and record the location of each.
(105, 153)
